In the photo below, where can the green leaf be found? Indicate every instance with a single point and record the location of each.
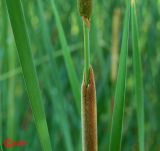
(24, 51)
(43, 60)
(3, 67)
(119, 102)
(75, 84)
(58, 102)
(137, 77)
(11, 114)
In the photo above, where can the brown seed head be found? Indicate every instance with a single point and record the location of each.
(89, 114)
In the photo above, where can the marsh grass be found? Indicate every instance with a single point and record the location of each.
(137, 76)
(75, 85)
(29, 73)
(58, 106)
(11, 109)
(3, 68)
(119, 100)
(38, 62)
(117, 121)
(53, 65)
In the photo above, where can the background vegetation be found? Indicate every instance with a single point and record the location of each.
(52, 43)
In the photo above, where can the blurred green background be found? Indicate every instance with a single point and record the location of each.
(62, 114)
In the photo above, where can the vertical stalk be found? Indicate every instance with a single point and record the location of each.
(88, 89)
(86, 52)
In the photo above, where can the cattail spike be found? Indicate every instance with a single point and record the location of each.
(89, 114)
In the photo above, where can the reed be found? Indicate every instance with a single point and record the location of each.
(88, 90)
(11, 108)
(137, 76)
(58, 49)
(115, 43)
(3, 68)
(43, 60)
(58, 106)
(67, 57)
(119, 101)
(18, 24)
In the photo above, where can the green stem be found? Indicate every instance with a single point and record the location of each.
(86, 52)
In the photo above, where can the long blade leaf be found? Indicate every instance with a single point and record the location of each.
(117, 119)
(75, 85)
(137, 77)
(24, 50)
(58, 103)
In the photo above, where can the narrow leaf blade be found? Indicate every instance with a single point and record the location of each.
(24, 50)
(117, 119)
(137, 77)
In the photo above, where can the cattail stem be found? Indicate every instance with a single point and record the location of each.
(86, 51)
(89, 114)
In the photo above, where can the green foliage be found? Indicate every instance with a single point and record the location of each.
(119, 102)
(67, 58)
(49, 40)
(28, 68)
(137, 77)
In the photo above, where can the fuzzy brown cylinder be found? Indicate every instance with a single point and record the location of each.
(85, 8)
(89, 114)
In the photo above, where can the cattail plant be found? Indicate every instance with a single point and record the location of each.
(116, 23)
(115, 43)
(115, 52)
(18, 24)
(88, 90)
(11, 103)
(137, 77)
(117, 120)
(119, 100)
(67, 56)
